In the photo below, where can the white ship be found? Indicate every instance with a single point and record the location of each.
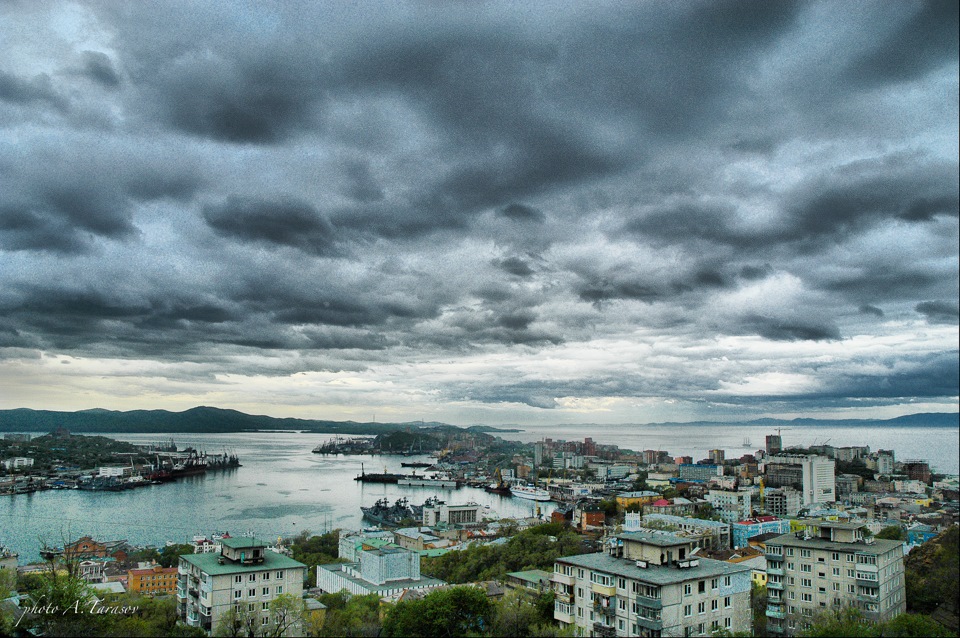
(428, 481)
(530, 492)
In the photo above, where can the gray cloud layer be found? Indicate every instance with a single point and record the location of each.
(446, 182)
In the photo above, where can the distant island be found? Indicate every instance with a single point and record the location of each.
(217, 420)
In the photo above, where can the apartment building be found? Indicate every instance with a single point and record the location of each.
(813, 475)
(244, 576)
(731, 506)
(650, 584)
(830, 565)
(153, 580)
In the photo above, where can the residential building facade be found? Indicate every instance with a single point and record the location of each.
(831, 565)
(816, 476)
(245, 576)
(153, 580)
(650, 584)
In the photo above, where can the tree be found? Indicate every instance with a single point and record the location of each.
(893, 533)
(170, 555)
(514, 614)
(287, 614)
(350, 615)
(758, 608)
(443, 613)
(236, 622)
(849, 622)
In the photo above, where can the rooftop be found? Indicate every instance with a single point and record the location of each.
(210, 563)
(798, 540)
(659, 539)
(655, 575)
(404, 583)
(242, 542)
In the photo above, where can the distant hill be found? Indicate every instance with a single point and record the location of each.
(215, 420)
(200, 419)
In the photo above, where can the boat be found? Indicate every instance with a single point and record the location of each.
(530, 492)
(746, 442)
(388, 515)
(428, 481)
(499, 487)
(415, 464)
(378, 477)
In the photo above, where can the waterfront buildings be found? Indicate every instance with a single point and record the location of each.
(245, 577)
(439, 513)
(650, 584)
(813, 475)
(830, 565)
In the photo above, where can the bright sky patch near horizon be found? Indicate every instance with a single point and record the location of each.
(481, 212)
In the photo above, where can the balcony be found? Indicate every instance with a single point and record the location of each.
(563, 579)
(652, 603)
(868, 578)
(650, 623)
(193, 592)
(604, 631)
(610, 609)
(603, 590)
(774, 628)
(564, 597)
(774, 571)
(562, 616)
(776, 612)
(774, 585)
(868, 598)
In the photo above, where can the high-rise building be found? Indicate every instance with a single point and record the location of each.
(830, 565)
(782, 502)
(717, 457)
(651, 584)
(774, 444)
(817, 482)
(731, 506)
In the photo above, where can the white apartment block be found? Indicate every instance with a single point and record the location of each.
(818, 475)
(731, 506)
(650, 584)
(385, 571)
(442, 514)
(244, 576)
(830, 565)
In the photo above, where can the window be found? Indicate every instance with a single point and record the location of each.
(265, 620)
(701, 608)
(836, 571)
(804, 553)
(850, 573)
(835, 556)
(237, 594)
(836, 587)
(279, 575)
(727, 602)
(688, 610)
(252, 578)
(265, 591)
(727, 623)
(806, 568)
(580, 573)
(714, 583)
(790, 566)
(265, 606)
(279, 589)
(714, 604)
(251, 592)
(251, 607)
(687, 589)
(266, 575)
(851, 589)
(238, 578)
(702, 586)
(726, 581)
(789, 551)
(822, 574)
(622, 583)
(806, 582)
(807, 598)
(849, 558)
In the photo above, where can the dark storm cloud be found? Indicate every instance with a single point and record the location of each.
(19, 90)
(515, 266)
(286, 222)
(234, 98)
(924, 42)
(456, 184)
(939, 311)
(99, 68)
(520, 212)
(777, 329)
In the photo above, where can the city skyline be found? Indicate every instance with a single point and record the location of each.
(492, 212)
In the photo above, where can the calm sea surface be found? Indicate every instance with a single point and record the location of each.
(283, 488)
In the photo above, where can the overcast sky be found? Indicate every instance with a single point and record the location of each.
(480, 212)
